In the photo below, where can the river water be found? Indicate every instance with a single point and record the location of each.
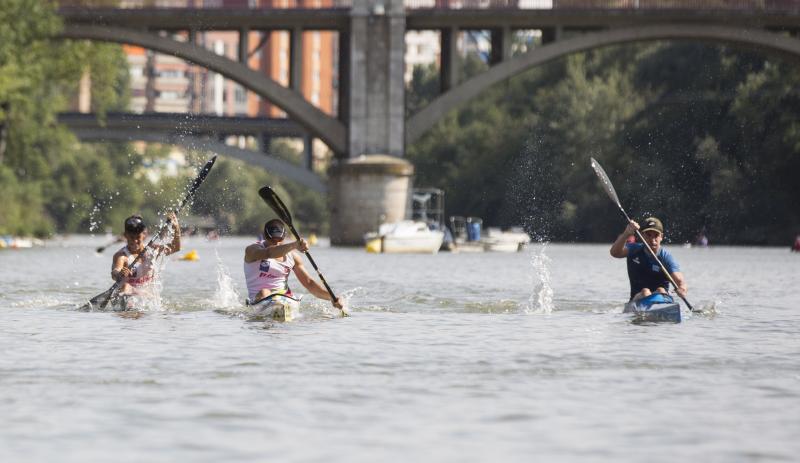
(449, 357)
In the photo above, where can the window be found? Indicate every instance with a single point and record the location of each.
(240, 95)
(171, 73)
(169, 95)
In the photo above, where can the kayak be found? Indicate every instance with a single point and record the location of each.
(655, 308)
(279, 307)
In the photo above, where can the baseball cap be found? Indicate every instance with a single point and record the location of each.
(135, 224)
(652, 223)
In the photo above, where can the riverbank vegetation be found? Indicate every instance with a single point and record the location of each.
(704, 136)
(51, 183)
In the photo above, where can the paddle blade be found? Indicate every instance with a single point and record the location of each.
(101, 300)
(601, 174)
(271, 198)
(202, 175)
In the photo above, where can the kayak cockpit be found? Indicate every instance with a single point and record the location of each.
(655, 308)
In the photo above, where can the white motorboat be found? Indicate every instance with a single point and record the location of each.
(405, 236)
(513, 240)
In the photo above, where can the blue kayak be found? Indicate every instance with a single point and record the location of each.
(655, 308)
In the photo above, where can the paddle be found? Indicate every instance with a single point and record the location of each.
(100, 249)
(601, 174)
(271, 198)
(102, 299)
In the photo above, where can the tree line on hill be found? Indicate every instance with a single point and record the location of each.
(703, 136)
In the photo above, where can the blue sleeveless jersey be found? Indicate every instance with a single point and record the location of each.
(644, 271)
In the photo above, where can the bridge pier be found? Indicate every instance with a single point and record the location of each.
(372, 183)
(365, 192)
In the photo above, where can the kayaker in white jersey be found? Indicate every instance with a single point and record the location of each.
(143, 272)
(267, 265)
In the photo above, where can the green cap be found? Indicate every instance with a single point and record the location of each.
(652, 223)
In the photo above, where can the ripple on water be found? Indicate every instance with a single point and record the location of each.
(440, 361)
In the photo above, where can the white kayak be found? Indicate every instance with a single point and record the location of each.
(278, 307)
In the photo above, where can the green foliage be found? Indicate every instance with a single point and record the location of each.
(705, 137)
(230, 196)
(50, 182)
(423, 88)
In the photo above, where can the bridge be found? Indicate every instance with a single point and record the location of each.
(202, 132)
(370, 119)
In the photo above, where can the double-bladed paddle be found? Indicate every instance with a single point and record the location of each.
(274, 201)
(601, 174)
(102, 299)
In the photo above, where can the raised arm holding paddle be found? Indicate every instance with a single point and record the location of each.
(120, 273)
(645, 258)
(139, 276)
(267, 263)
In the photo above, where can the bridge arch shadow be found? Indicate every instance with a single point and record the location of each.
(426, 118)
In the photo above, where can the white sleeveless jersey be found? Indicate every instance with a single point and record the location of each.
(270, 274)
(143, 270)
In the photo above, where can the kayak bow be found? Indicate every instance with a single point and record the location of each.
(278, 307)
(656, 307)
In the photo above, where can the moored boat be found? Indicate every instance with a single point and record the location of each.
(657, 307)
(405, 236)
(278, 307)
(513, 240)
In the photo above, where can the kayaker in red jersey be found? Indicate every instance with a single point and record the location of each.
(644, 273)
(267, 265)
(143, 272)
(796, 245)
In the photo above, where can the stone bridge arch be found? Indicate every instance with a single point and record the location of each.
(427, 117)
(328, 129)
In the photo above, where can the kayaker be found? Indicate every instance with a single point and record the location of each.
(796, 245)
(267, 265)
(644, 273)
(143, 272)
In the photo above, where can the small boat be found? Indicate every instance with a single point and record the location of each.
(513, 240)
(405, 236)
(656, 307)
(280, 307)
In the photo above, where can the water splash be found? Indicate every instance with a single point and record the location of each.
(541, 299)
(94, 221)
(147, 298)
(709, 309)
(226, 294)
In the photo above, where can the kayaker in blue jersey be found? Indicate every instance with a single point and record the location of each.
(644, 273)
(267, 265)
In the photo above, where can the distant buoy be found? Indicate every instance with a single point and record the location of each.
(191, 255)
(312, 239)
(374, 246)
